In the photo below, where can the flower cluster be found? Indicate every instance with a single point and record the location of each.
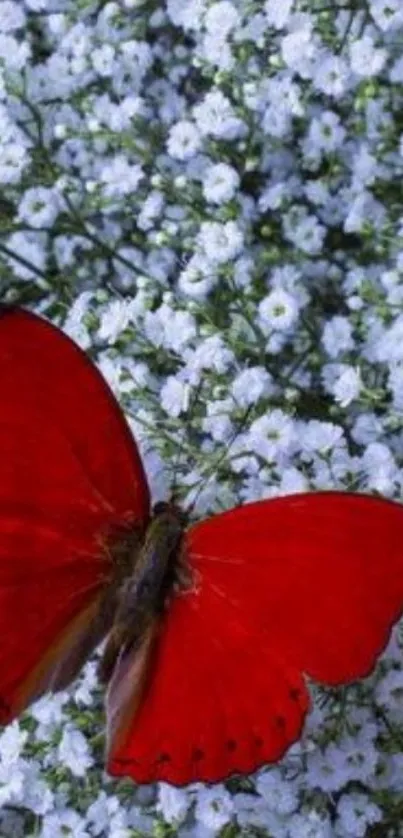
(207, 193)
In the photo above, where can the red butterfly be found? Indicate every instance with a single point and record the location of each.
(210, 629)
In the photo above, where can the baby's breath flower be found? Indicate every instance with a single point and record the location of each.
(278, 311)
(205, 194)
(184, 140)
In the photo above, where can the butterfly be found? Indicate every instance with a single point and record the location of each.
(211, 629)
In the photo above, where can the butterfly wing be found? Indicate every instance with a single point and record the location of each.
(305, 584)
(41, 364)
(70, 477)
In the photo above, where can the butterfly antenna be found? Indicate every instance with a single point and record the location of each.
(191, 407)
(212, 468)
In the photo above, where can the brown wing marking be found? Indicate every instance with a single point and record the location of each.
(127, 687)
(64, 659)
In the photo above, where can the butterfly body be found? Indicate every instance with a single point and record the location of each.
(152, 572)
(211, 628)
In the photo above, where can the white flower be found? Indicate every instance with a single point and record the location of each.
(74, 752)
(48, 712)
(211, 353)
(12, 16)
(273, 196)
(173, 803)
(395, 384)
(332, 75)
(220, 242)
(278, 12)
(292, 482)
(174, 396)
(103, 59)
(136, 59)
(347, 386)
(169, 328)
(12, 767)
(389, 345)
(390, 777)
(337, 336)
(38, 6)
(37, 795)
(111, 369)
(12, 784)
(154, 327)
(380, 467)
(392, 282)
(242, 271)
(358, 755)
(102, 812)
(272, 435)
(217, 423)
(217, 51)
(138, 819)
(326, 768)
(184, 140)
(220, 183)
(204, 491)
(355, 813)
(316, 191)
(389, 691)
(221, 18)
(366, 429)
(377, 454)
(252, 810)
(84, 691)
(179, 330)
(215, 116)
(62, 823)
(396, 73)
(279, 100)
(305, 231)
(277, 792)
(159, 263)
(12, 741)
(186, 13)
(319, 437)
(14, 157)
(326, 132)
(119, 177)
(365, 167)
(250, 385)
(365, 58)
(310, 825)
(297, 49)
(214, 807)
(114, 320)
(198, 278)
(278, 311)
(73, 325)
(276, 120)
(363, 208)
(387, 14)
(150, 210)
(39, 207)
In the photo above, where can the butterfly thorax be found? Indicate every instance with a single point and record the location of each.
(154, 569)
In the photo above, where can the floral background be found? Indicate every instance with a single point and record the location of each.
(207, 196)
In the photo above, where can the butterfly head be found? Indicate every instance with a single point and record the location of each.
(170, 510)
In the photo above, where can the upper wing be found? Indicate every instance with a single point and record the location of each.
(305, 584)
(321, 574)
(70, 476)
(40, 364)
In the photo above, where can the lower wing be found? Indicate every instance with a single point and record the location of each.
(308, 584)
